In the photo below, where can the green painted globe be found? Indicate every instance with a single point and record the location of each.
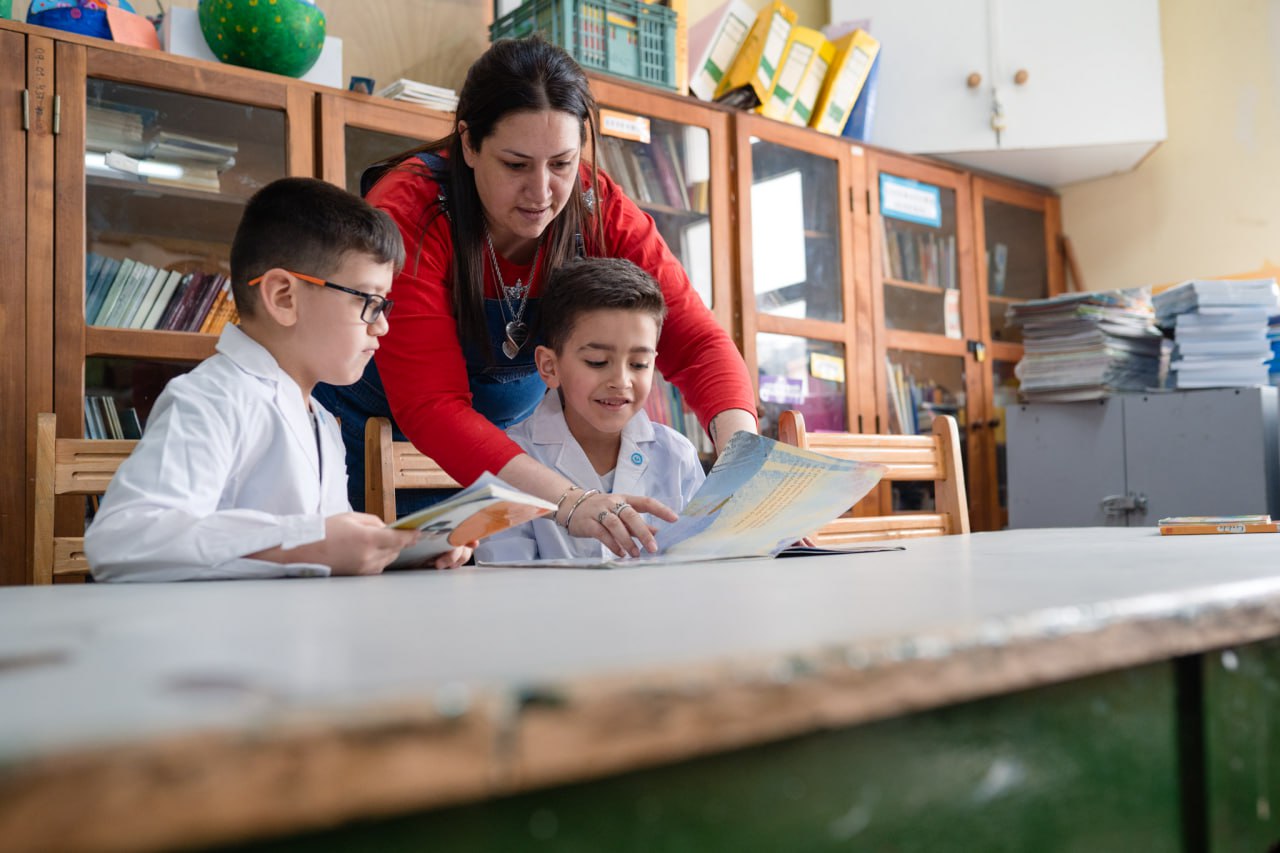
(282, 36)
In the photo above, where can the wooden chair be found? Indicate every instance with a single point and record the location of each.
(391, 465)
(933, 457)
(67, 466)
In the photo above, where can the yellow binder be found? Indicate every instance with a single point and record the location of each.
(854, 55)
(804, 67)
(756, 66)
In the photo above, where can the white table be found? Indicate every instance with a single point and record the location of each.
(225, 710)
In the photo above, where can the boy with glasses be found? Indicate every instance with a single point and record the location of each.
(241, 474)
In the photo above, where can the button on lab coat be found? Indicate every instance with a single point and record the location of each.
(228, 466)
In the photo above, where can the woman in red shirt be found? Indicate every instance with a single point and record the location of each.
(486, 213)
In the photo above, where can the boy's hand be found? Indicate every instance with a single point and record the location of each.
(456, 557)
(356, 543)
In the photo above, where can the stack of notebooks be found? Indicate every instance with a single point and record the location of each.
(1220, 331)
(435, 97)
(1084, 346)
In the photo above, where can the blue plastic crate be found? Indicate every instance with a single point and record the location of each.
(626, 38)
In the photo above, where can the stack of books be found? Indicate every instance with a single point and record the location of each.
(435, 97)
(1084, 346)
(1220, 331)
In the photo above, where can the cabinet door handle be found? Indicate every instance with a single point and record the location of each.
(1020, 76)
(974, 80)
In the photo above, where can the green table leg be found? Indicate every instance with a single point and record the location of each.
(1242, 733)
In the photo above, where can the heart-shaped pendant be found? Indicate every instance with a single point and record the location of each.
(517, 335)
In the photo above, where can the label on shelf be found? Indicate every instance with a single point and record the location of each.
(828, 367)
(951, 313)
(624, 126)
(903, 198)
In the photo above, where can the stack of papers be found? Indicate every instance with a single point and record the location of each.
(435, 97)
(1220, 331)
(1083, 346)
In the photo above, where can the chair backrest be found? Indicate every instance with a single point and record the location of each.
(391, 465)
(933, 457)
(67, 466)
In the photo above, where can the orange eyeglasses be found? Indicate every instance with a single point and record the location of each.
(375, 306)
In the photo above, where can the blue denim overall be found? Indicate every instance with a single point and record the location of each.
(506, 391)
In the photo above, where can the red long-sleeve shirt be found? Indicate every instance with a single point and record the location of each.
(421, 362)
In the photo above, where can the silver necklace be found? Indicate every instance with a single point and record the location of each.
(517, 331)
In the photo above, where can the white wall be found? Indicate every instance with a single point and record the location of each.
(1207, 201)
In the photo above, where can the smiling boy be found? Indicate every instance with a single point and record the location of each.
(601, 319)
(241, 474)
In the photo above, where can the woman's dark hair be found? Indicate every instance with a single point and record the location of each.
(512, 76)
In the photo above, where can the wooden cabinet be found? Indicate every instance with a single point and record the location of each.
(1077, 89)
(672, 156)
(356, 131)
(803, 280)
(836, 304)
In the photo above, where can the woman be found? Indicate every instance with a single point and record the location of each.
(485, 214)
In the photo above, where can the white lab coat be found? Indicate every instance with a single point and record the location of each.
(228, 466)
(654, 461)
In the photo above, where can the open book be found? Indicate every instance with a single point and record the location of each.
(760, 497)
(485, 507)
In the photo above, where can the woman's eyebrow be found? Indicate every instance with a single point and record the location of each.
(512, 152)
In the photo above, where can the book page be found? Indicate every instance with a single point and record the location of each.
(760, 497)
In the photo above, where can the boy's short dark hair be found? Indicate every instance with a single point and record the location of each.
(594, 284)
(308, 226)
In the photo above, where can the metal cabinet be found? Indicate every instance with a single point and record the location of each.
(1136, 458)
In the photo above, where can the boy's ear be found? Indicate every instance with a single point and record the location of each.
(278, 296)
(545, 359)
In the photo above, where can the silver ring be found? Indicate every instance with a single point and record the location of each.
(617, 510)
(602, 515)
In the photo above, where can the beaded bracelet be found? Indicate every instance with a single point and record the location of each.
(588, 493)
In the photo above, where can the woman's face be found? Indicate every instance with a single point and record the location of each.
(525, 171)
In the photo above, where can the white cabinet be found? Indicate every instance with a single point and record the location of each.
(1091, 102)
(1210, 452)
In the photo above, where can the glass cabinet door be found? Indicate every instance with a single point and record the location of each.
(1016, 238)
(922, 386)
(672, 159)
(1018, 258)
(155, 163)
(919, 256)
(931, 344)
(799, 280)
(358, 130)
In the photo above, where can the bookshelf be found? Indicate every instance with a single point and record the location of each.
(823, 341)
(803, 282)
(671, 155)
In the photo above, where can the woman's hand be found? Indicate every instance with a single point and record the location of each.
(617, 521)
